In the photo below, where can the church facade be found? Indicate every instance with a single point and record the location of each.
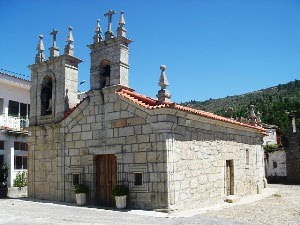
(170, 156)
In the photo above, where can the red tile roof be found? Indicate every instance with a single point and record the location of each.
(67, 113)
(151, 103)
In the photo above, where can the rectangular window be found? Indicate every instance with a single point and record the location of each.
(1, 145)
(20, 162)
(28, 110)
(21, 146)
(138, 179)
(1, 160)
(1, 106)
(23, 110)
(274, 165)
(75, 179)
(25, 161)
(247, 157)
(13, 108)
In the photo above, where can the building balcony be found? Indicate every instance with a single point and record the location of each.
(13, 122)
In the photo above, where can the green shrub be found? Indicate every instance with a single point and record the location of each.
(21, 180)
(3, 176)
(271, 148)
(120, 190)
(81, 188)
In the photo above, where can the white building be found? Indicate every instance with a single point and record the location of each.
(14, 111)
(275, 160)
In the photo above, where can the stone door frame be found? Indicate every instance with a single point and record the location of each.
(229, 177)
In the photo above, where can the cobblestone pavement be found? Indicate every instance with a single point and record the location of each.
(281, 208)
(26, 212)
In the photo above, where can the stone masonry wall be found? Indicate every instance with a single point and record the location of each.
(109, 125)
(181, 156)
(198, 162)
(43, 163)
(293, 158)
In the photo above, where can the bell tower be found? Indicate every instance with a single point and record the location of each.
(54, 82)
(109, 56)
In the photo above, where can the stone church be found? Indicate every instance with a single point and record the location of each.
(170, 156)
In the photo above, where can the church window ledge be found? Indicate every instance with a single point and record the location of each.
(138, 178)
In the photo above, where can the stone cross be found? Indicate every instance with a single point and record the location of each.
(109, 15)
(54, 33)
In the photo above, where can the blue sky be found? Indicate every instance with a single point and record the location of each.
(212, 48)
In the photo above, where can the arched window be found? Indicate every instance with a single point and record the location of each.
(46, 96)
(104, 74)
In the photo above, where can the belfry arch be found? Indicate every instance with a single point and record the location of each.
(105, 72)
(46, 96)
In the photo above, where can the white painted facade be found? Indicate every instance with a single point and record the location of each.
(14, 111)
(271, 138)
(275, 162)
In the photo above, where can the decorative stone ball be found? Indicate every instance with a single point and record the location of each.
(163, 67)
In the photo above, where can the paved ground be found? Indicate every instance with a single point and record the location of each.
(281, 208)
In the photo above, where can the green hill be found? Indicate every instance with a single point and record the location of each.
(273, 103)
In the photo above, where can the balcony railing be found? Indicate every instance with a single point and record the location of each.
(12, 122)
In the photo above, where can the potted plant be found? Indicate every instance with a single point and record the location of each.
(120, 192)
(3, 181)
(81, 190)
(20, 186)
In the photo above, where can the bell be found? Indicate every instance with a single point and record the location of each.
(50, 106)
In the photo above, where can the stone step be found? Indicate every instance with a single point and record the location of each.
(232, 198)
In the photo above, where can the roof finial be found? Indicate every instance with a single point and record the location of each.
(69, 48)
(97, 36)
(108, 33)
(54, 50)
(40, 57)
(163, 94)
(121, 29)
(258, 118)
(253, 118)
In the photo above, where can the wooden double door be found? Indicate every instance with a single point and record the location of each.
(106, 179)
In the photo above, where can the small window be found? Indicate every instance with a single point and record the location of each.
(1, 145)
(274, 165)
(25, 162)
(75, 178)
(22, 146)
(13, 108)
(1, 106)
(20, 162)
(138, 179)
(23, 110)
(247, 157)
